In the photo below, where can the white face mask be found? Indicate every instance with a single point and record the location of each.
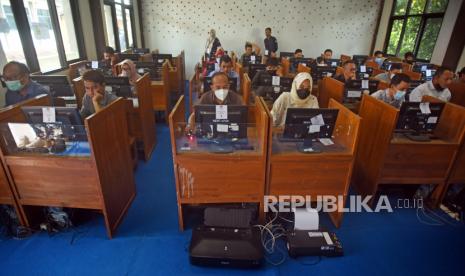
(221, 94)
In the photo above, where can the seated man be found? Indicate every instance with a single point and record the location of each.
(110, 58)
(226, 67)
(349, 73)
(437, 87)
(300, 96)
(297, 54)
(395, 94)
(251, 49)
(409, 58)
(327, 55)
(379, 57)
(272, 66)
(96, 96)
(396, 68)
(18, 83)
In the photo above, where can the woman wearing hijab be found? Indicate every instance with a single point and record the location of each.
(299, 97)
(128, 69)
(212, 44)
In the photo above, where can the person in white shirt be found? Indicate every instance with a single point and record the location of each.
(300, 97)
(395, 94)
(437, 87)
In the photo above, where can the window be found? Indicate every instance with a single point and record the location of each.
(119, 24)
(414, 26)
(46, 34)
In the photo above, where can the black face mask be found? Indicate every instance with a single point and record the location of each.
(303, 93)
(438, 87)
(271, 72)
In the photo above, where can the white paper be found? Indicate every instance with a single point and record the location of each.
(140, 70)
(160, 61)
(314, 129)
(424, 107)
(23, 134)
(334, 64)
(135, 102)
(365, 84)
(354, 94)
(304, 64)
(48, 115)
(366, 75)
(108, 88)
(305, 219)
(275, 81)
(221, 112)
(266, 52)
(327, 238)
(329, 74)
(363, 68)
(234, 127)
(222, 128)
(428, 73)
(318, 120)
(94, 64)
(277, 89)
(326, 141)
(424, 68)
(432, 120)
(252, 58)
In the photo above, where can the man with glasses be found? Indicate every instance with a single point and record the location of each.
(349, 73)
(19, 86)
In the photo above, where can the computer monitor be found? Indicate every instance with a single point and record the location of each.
(254, 68)
(333, 62)
(286, 54)
(387, 65)
(323, 71)
(119, 86)
(359, 59)
(428, 74)
(418, 120)
(141, 51)
(160, 58)
(207, 82)
(353, 89)
(133, 57)
(422, 67)
(58, 86)
(304, 61)
(277, 85)
(253, 59)
(364, 72)
(149, 67)
(100, 65)
(221, 121)
(413, 85)
(69, 118)
(304, 123)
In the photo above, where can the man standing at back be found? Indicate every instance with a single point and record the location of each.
(271, 44)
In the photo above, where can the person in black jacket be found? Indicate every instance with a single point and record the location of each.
(271, 44)
(213, 43)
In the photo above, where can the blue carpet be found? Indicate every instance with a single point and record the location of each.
(148, 241)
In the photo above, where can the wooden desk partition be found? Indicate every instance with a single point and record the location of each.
(79, 90)
(413, 75)
(285, 65)
(302, 68)
(330, 88)
(240, 71)
(246, 88)
(73, 71)
(160, 91)
(321, 174)
(457, 91)
(203, 177)
(406, 67)
(14, 114)
(388, 158)
(104, 181)
(372, 64)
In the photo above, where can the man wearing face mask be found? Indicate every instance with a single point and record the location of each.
(272, 66)
(349, 73)
(226, 66)
(19, 86)
(437, 87)
(395, 94)
(299, 97)
(396, 68)
(379, 58)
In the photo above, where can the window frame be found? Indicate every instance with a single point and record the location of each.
(130, 7)
(27, 43)
(424, 17)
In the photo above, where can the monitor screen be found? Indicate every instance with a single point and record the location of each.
(415, 117)
(160, 58)
(221, 121)
(254, 68)
(57, 85)
(304, 123)
(133, 57)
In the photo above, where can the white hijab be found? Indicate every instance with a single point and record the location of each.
(295, 100)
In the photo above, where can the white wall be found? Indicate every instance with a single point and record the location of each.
(346, 26)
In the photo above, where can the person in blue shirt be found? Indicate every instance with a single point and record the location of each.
(18, 83)
(226, 67)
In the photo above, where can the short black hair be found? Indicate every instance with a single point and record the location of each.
(398, 78)
(408, 54)
(328, 50)
(109, 50)
(248, 44)
(23, 69)
(461, 72)
(225, 59)
(94, 76)
(297, 51)
(441, 71)
(348, 62)
(395, 66)
(268, 29)
(272, 61)
(379, 52)
(216, 74)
